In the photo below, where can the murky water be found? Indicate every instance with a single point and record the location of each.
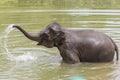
(21, 58)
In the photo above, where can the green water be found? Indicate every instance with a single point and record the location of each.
(32, 62)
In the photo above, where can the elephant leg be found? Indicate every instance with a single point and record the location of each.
(70, 56)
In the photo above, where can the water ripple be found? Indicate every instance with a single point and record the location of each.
(82, 11)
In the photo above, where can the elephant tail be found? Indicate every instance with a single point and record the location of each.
(117, 52)
(116, 49)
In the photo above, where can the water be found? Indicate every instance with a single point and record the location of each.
(24, 57)
(21, 58)
(7, 31)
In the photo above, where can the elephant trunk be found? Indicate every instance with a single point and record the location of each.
(31, 37)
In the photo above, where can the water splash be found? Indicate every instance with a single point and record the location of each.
(24, 57)
(7, 31)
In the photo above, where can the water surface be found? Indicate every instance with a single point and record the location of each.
(21, 58)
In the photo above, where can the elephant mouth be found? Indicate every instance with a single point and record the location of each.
(46, 45)
(39, 43)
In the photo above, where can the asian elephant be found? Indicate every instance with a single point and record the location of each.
(75, 46)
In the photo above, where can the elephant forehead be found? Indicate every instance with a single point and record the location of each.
(46, 30)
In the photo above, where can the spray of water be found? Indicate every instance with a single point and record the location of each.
(7, 31)
(25, 57)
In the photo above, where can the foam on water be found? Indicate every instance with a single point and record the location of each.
(25, 57)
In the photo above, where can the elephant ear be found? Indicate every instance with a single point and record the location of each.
(57, 34)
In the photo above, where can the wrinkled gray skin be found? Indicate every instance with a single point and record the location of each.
(76, 46)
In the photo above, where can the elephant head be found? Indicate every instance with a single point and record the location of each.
(51, 36)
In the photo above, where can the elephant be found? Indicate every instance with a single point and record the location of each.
(75, 45)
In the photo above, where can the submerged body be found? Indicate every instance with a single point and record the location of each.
(76, 46)
(87, 46)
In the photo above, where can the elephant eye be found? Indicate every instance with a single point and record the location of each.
(45, 36)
